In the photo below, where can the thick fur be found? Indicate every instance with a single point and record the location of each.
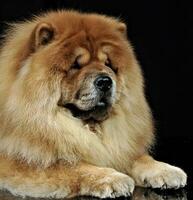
(40, 139)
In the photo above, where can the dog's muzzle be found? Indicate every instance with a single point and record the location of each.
(94, 98)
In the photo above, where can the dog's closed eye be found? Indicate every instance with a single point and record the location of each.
(75, 65)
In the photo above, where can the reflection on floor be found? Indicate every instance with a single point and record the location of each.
(139, 194)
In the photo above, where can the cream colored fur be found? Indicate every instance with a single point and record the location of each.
(37, 132)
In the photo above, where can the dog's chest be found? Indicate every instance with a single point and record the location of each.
(118, 150)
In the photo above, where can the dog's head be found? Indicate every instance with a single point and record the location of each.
(84, 57)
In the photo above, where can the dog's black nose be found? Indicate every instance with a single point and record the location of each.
(103, 83)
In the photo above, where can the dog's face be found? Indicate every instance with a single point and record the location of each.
(89, 85)
(89, 55)
(89, 89)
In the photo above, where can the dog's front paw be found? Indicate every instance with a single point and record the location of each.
(113, 184)
(160, 175)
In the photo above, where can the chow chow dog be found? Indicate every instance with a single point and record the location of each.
(73, 115)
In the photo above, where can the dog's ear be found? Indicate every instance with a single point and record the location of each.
(43, 34)
(122, 27)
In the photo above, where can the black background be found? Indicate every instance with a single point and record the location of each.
(161, 33)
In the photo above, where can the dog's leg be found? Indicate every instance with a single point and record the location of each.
(62, 180)
(148, 172)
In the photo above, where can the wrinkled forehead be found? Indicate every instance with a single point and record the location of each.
(86, 45)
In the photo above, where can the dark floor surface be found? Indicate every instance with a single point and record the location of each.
(176, 151)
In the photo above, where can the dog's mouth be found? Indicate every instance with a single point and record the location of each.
(97, 113)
